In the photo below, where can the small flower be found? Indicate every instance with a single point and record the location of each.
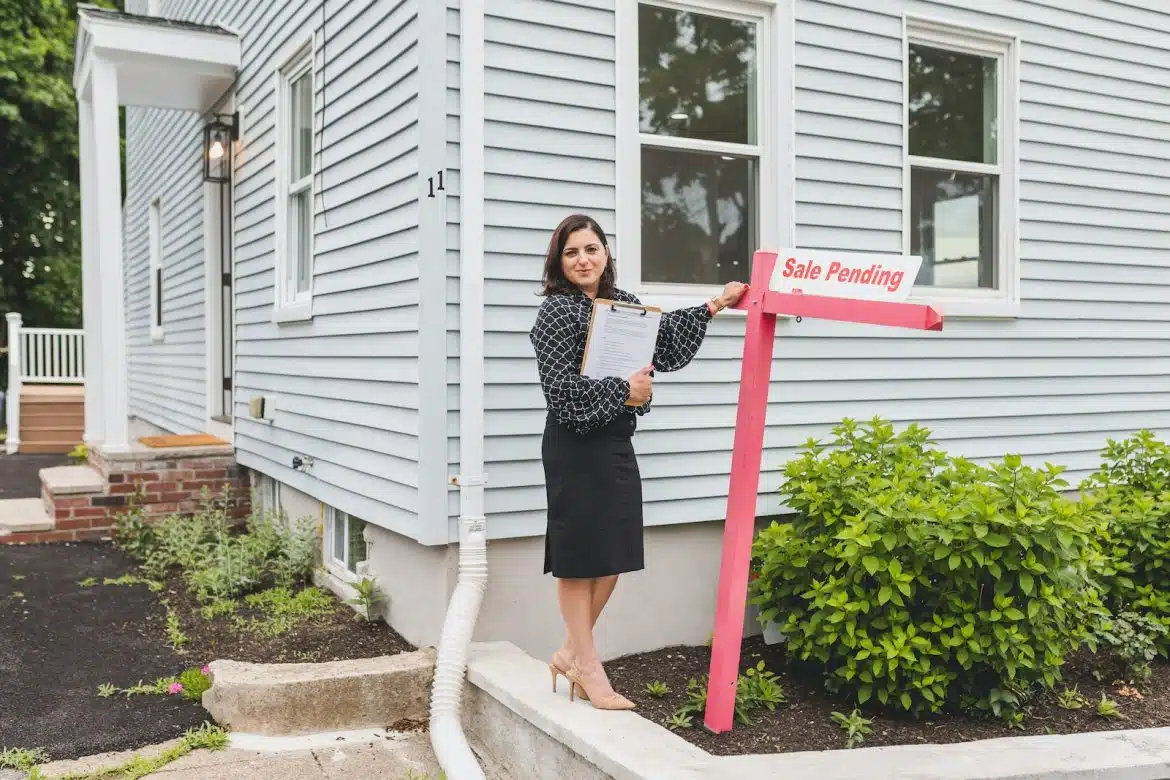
(206, 670)
(175, 688)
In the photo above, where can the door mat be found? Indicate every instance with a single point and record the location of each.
(185, 440)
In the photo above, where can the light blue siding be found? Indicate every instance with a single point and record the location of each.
(1088, 358)
(345, 386)
(166, 379)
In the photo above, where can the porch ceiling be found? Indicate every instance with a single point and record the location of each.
(160, 63)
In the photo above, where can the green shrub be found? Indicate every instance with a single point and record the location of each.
(919, 579)
(1131, 491)
(220, 560)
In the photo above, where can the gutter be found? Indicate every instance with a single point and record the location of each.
(447, 737)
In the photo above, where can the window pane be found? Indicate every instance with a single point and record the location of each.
(339, 535)
(697, 75)
(953, 100)
(699, 217)
(301, 231)
(357, 544)
(953, 227)
(301, 127)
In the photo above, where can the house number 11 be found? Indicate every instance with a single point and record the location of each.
(431, 184)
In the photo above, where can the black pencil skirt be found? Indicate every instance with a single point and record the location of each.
(594, 501)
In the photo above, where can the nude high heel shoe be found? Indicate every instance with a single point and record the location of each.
(611, 701)
(559, 667)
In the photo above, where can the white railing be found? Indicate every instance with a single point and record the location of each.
(39, 356)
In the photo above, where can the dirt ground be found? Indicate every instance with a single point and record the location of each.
(60, 640)
(804, 721)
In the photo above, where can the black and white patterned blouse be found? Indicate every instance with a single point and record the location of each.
(583, 404)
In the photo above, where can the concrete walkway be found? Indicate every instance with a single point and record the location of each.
(381, 756)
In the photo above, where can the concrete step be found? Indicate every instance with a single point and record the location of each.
(72, 480)
(23, 515)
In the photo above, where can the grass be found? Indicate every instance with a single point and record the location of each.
(207, 736)
(22, 759)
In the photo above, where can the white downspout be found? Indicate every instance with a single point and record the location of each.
(447, 738)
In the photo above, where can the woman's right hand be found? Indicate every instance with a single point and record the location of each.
(641, 386)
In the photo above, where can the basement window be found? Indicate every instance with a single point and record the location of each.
(345, 546)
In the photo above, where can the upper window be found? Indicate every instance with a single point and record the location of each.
(960, 143)
(294, 261)
(154, 230)
(700, 154)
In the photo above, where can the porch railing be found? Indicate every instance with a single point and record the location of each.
(39, 356)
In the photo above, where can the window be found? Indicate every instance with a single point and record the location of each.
(960, 186)
(345, 546)
(294, 208)
(154, 228)
(268, 494)
(696, 166)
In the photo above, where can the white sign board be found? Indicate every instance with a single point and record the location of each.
(862, 275)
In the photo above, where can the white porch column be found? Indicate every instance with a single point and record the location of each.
(91, 297)
(108, 185)
(15, 380)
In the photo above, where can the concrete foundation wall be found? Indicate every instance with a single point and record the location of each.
(677, 588)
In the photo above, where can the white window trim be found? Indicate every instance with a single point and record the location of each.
(1005, 47)
(334, 566)
(154, 239)
(288, 305)
(776, 140)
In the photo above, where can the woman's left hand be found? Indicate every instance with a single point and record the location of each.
(731, 294)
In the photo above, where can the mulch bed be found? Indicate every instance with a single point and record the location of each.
(60, 640)
(804, 723)
(20, 474)
(341, 635)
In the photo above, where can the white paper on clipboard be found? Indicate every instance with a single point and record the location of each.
(621, 339)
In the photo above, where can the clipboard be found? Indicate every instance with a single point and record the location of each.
(628, 339)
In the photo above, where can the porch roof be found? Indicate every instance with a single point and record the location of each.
(161, 63)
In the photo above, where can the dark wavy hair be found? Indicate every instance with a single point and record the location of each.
(555, 282)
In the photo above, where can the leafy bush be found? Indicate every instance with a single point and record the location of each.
(219, 560)
(1131, 490)
(919, 579)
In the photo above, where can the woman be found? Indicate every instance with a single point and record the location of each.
(591, 475)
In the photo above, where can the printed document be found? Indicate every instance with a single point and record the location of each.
(621, 339)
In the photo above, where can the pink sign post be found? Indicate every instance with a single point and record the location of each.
(860, 288)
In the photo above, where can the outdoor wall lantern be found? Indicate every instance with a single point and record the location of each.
(218, 137)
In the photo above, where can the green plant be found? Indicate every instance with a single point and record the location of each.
(916, 578)
(106, 690)
(208, 736)
(281, 611)
(679, 720)
(856, 728)
(367, 596)
(195, 682)
(1071, 699)
(754, 689)
(22, 759)
(1107, 708)
(79, 454)
(657, 689)
(1131, 493)
(88, 582)
(1134, 639)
